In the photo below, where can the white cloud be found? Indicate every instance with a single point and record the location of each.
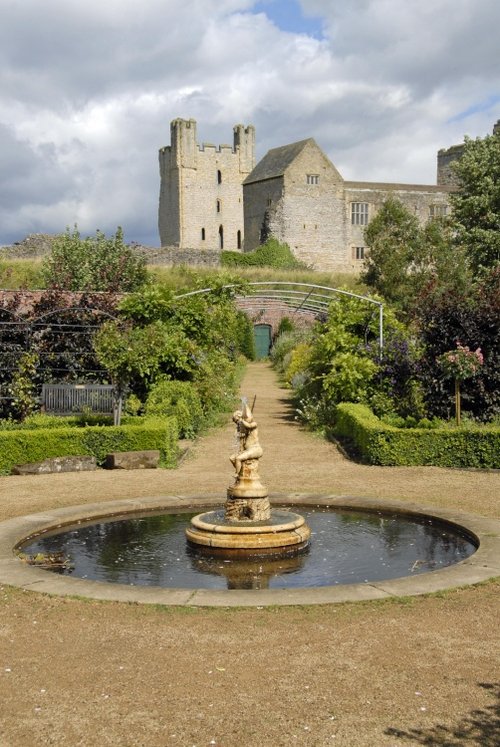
(89, 90)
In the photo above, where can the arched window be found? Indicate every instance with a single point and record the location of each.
(218, 205)
(219, 176)
(221, 238)
(238, 239)
(203, 234)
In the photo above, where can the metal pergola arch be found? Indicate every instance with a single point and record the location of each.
(299, 297)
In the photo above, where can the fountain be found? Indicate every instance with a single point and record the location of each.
(362, 548)
(246, 525)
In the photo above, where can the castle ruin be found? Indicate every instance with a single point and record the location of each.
(215, 198)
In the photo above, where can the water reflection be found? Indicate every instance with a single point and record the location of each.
(346, 547)
(252, 573)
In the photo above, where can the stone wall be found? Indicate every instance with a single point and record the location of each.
(172, 256)
(33, 246)
(445, 158)
(38, 245)
(273, 312)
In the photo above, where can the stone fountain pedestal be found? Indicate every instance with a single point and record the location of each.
(245, 525)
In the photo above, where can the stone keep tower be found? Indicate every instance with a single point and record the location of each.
(201, 192)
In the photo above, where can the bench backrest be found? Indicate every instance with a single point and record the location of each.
(65, 399)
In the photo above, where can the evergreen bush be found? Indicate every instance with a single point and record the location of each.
(379, 443)
(271, 254)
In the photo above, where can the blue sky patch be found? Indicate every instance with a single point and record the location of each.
(481, 106)
(288, 16)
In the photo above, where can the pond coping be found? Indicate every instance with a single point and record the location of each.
(481, 566)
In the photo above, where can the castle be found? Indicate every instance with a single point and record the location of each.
(214, 198)
(201, 193)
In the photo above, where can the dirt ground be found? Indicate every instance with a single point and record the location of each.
(421, 670)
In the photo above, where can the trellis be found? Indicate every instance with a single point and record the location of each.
(62, 340)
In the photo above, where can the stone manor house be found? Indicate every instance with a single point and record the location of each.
(216, 197)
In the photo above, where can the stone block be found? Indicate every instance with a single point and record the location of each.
(132, 460)
(56, 464)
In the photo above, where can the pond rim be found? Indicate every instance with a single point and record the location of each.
(481, 566)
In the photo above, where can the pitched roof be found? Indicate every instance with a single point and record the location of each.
(276, 161)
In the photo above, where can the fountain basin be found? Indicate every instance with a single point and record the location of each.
(482, 565)
(282, 533)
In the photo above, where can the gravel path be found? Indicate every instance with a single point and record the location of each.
(410, 671)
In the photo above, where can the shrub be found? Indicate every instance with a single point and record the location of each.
(270, 254)
(297, 362)
(216, 379)
(378, 443)
(285, 325)
(245, 336)
(178, 398)
(96, 263)
(283, 347)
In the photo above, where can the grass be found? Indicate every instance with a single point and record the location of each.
(21, 274)
(183, 276)
(26, 274)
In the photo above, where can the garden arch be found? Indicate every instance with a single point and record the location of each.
(268, 302)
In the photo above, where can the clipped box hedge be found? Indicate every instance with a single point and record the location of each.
(378, 443)
(25, 446)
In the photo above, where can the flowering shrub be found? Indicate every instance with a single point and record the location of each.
(462, 363)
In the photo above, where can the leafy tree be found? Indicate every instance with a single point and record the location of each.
(96, 263)
(394, 239)
(209, 319)
(134, 354)
(339, 367)
(195, 339)
(476, 205)
(404, 258)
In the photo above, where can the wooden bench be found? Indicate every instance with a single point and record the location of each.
(68, 399)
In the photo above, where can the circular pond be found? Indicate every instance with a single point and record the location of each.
(347, 547)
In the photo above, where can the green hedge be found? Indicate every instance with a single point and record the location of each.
(25, 446)
(378, 443)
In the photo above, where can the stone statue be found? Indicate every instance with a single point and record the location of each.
(248, 436)
(247, 499)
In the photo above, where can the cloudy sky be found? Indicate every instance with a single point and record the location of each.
(88, 90)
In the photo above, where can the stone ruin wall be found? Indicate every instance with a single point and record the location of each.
(38, 245)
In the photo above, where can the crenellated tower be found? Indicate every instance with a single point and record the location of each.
(201, 192)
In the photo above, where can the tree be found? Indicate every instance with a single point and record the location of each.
(405, 258)
(476, 205)
(394, 239)
(96, 263)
